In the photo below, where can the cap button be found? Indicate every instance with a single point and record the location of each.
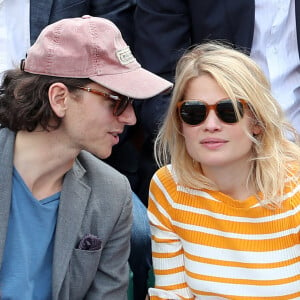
(86, 17)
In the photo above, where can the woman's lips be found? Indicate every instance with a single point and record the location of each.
(213, 143)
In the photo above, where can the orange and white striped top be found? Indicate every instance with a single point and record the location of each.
(207, 245)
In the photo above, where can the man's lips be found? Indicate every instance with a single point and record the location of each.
(116, 132)
(115, 135)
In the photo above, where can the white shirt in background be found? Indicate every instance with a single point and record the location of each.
(14, 33)
(275, 49)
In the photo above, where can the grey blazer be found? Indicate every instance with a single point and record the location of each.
(95, 199)
(44, 12)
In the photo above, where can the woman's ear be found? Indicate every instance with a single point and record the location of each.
(256, 128)
(58, 94)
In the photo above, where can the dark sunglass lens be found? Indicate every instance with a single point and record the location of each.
(193, 112)
(121, 105)
(226, 112)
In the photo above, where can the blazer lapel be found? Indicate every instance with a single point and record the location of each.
(72, 205)
(6, 170)
(40, 11)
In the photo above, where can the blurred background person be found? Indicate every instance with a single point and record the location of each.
(269, 30)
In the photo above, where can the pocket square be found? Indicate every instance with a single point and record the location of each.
(90, 242)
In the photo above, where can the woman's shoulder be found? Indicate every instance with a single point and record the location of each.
(292, 186)
(165, 173)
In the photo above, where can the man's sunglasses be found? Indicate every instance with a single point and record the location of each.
(121, 101)
(194, 112)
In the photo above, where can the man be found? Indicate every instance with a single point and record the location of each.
(66, 215)
(20, 24)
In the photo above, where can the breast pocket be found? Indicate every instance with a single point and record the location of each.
(83, 268)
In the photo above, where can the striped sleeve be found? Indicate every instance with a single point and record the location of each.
(167, 252)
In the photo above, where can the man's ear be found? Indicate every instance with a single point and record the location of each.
(58, 94)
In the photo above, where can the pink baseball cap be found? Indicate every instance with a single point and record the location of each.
(92, 47)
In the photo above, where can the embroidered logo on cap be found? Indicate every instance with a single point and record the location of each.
(125, 56)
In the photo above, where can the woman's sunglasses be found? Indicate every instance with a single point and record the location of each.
(121, 101)
(194, 112)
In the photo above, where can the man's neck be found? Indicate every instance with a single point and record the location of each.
(41, 161)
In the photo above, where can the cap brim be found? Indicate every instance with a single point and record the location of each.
(137, 84)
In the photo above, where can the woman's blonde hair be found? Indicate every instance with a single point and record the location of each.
(241, 78)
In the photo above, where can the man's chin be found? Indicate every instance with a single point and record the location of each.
(103, 155)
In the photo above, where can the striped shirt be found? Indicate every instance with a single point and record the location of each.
(207, 245)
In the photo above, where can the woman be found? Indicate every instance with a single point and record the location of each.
(224, 207)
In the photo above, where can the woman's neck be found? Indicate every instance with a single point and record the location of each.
(231, 181)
